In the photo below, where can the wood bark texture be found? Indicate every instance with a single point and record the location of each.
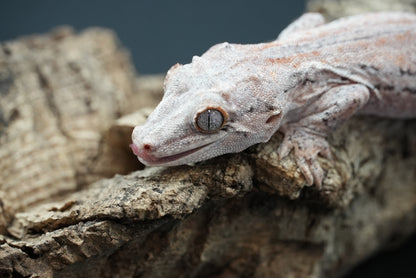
(74, 204)
(333, 9)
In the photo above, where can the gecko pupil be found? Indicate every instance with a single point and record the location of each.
(210, 120)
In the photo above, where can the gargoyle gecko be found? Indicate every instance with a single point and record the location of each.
(313, 77)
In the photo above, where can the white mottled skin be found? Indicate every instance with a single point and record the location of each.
(305, 83)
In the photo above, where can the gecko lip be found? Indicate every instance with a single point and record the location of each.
(151, 160)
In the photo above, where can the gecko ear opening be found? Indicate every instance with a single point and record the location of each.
(275, 117)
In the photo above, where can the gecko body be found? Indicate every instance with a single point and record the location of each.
(313, 77)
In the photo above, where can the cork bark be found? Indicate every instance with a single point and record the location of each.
(333, 9)
(75, 202)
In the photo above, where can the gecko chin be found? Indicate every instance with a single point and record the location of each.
(148, 159)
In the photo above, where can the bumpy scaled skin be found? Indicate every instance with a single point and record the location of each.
(305, 83)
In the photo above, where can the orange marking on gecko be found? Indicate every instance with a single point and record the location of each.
(401, 60)
(226, 96)
(403, 37)
(295, 60)
(269, 45)
(381, 41)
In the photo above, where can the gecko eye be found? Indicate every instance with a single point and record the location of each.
(210, 120)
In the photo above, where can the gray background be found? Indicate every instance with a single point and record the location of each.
(157, 33)
(161, 33)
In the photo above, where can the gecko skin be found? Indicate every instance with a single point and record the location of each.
(313, 77)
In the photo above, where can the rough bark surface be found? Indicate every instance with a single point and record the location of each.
(59, 93)
(240, 215)
(333, 9)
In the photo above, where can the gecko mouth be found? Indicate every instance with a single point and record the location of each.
(148, 159)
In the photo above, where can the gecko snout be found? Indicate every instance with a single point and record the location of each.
(143, 152)
(141, 148)
(134, 148)
(137, 150)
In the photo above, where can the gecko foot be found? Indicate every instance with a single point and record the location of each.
(306, 144)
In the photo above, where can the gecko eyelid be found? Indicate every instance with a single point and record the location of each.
(210, 120)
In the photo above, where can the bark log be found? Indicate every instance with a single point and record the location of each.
(333, 9)
(239, 215)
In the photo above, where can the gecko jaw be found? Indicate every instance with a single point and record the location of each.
(150, 160)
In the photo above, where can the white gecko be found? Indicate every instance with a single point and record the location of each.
(314, 76)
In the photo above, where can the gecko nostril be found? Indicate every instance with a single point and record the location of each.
(147, 147)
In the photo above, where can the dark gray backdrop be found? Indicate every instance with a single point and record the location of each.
(161, 33)
(158, 33)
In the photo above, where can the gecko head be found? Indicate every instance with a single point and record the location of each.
(204, 115)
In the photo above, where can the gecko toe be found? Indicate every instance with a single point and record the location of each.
(317, 173)
(305, 169)
(284, 149)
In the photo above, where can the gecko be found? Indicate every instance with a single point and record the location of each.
(308, 81)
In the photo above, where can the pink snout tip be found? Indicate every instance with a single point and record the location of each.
(134, 148)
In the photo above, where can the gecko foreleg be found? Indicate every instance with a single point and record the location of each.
(307, 136)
